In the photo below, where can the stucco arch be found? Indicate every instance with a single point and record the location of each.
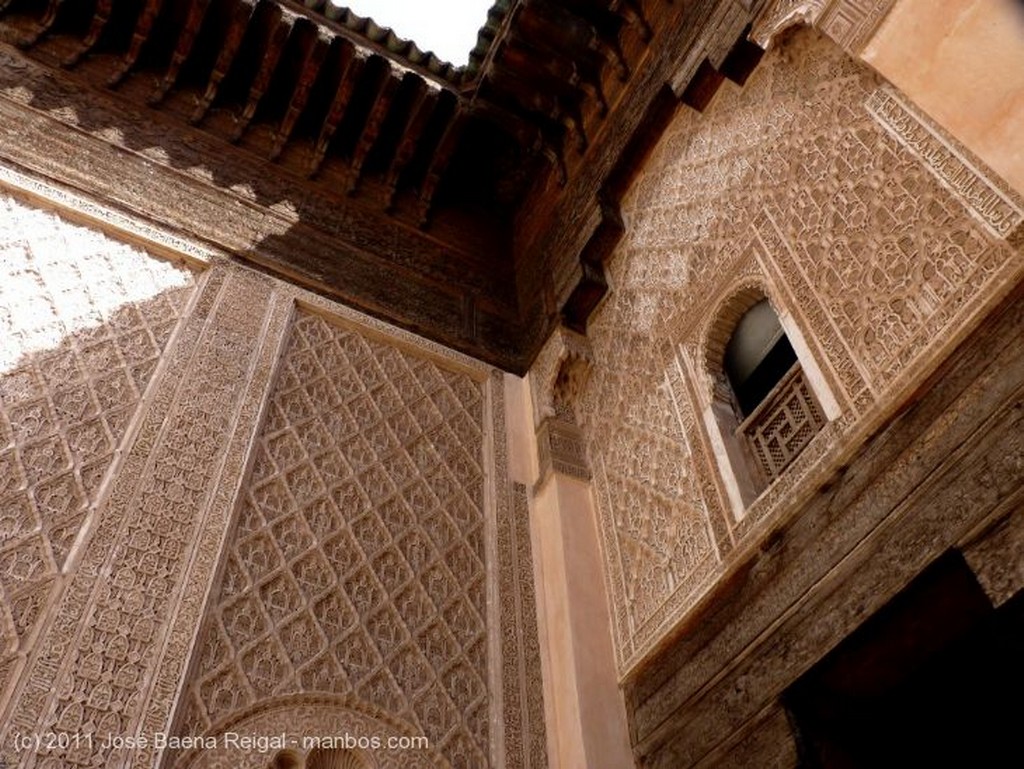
(306, 722)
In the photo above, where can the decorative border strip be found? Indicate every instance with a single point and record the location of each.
(958, 170)
(106, 218)
(614, 574)
(522, 696)
(208, 546)
(520, 739)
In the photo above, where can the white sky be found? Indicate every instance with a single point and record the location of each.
(446, 27)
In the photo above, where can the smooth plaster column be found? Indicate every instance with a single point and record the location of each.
(587, 726)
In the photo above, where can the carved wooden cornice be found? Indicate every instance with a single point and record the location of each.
(474, 205)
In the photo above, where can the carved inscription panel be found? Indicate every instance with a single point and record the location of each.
(793, 182)
(357, 564)
(84, 321)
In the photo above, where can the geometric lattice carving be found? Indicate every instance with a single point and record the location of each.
(783, 423)
(84, 321)
(357, 565)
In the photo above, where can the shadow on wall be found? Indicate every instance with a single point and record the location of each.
(84, 321)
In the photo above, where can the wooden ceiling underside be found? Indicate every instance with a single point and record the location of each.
(485, 196)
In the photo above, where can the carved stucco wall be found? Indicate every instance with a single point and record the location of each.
(84, 321)
(347, 480)
(357, 565)
(878, 235)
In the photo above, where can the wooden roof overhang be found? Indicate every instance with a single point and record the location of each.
(474, 205)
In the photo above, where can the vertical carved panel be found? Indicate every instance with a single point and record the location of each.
(522, 698)
(357, 565)
(84, 321)
(96, 668)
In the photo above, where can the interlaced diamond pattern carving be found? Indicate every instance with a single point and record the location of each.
(357, 565)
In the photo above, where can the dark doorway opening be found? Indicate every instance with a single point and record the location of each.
(933, 679)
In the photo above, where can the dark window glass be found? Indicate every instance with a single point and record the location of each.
(758, 356)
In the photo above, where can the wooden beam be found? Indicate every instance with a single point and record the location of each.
(742, 59)
(374, 121)
(143, 28)
(100, 17)
(559, 31)
(439, 163)
(354, 61)
(45, 24)
(186, 39)
(277, 36)
(703, 87)
(242, 14)
(416, 119)
(313, 59)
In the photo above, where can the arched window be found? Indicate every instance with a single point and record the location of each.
(763, 405)
(757, 357)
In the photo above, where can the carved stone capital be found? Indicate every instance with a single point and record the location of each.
(562, 448)
(560, 374)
